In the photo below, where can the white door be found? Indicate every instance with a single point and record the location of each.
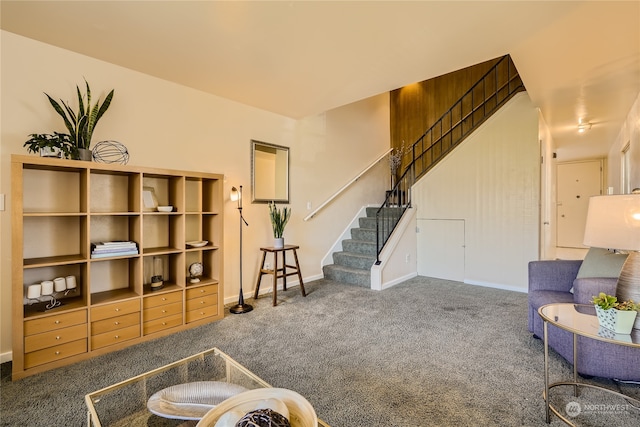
(441, 248)
(577, 181)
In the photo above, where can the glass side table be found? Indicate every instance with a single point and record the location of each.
(125, 403)
(580, 320)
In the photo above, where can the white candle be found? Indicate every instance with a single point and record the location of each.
(33, 291)
(59, 284)
(71, 282)
(47, 287)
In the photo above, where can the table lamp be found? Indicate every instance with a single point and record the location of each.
(613, 222)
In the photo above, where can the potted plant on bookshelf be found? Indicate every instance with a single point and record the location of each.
(50, 145)
(80, 126)
(614, 315)
(279, 218)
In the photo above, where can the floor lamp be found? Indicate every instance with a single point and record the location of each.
(613, 222)
(241, 307)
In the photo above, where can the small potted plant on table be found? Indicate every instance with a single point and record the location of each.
(614, 315)
(279, 219)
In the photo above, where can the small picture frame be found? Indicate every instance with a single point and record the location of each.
(149, 200)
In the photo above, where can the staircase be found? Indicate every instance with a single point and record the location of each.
(353, 264)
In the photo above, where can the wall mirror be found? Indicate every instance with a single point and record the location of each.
(269, 172)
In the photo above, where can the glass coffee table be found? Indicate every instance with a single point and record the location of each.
(580, 320)
(125, 403)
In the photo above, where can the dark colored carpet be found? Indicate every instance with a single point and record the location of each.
(427, 352)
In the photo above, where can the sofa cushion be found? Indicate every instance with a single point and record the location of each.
(601, 263)
(539, 298)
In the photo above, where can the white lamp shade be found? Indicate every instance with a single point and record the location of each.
(235, 194)
(613, 222)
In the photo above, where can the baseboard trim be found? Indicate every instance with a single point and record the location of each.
(398, 280)
(6, 357)
(268, 289)
(496, 286)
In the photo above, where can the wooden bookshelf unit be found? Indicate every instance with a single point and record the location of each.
(60, 208)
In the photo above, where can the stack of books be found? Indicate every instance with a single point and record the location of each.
(111, 249)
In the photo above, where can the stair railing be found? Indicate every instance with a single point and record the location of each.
(347, 185)
(486, 96)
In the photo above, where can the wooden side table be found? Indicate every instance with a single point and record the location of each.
(279, 273)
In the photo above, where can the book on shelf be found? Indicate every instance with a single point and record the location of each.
(114, 254)
(110, 246)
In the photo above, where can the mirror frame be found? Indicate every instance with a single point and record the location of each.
(254, 145)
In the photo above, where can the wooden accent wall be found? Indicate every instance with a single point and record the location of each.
(416, 107)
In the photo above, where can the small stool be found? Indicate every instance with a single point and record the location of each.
(279, 273)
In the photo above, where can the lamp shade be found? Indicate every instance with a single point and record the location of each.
(613, 222)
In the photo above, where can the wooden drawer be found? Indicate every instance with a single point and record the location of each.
(163, 311)
(53, 338)
(201, 313)
(115, 323)
(162, 323)
(58, 321)
(202, 291)
(57, 352)
(115, 309)
(196, 303)
(163, 299)
(115, 337)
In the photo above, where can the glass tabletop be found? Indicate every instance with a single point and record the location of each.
(125, 403)
(581, 319)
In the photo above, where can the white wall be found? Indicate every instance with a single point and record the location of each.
(491, 182)
(630, 133)
(171, 126)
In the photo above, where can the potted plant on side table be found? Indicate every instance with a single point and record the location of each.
(80, 125)
(279, 218)
(613, 315)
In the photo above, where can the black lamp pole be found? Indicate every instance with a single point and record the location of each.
(241, 307)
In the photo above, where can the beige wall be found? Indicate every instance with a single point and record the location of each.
(491, 182)
(171, 126)
(629, 134)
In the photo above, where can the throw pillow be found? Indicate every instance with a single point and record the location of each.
(601, 263)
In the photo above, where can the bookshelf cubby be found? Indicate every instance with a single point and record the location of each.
(61, 209)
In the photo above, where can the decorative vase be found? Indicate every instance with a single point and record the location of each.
(278, 242)
(620, 322)
(85, 154)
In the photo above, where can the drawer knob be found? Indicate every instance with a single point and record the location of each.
(164, 299)
(201, 302)
(117, 336)
(164, 311)
(58, 337)
(164, 323)
(202, 312)
(116, 323)
(57, 322)
(117, 309)
(201, 291)
(57, 353)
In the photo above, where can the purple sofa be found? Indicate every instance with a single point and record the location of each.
(556, 281)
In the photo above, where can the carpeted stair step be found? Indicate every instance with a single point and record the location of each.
(354, 260)
(347, 275)
(363, 234)
(359, 247)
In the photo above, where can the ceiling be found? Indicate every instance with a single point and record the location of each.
(578, 59)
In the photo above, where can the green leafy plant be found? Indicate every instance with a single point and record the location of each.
(279, 219)
(56, 142)
(606, 302)
(82, 123)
